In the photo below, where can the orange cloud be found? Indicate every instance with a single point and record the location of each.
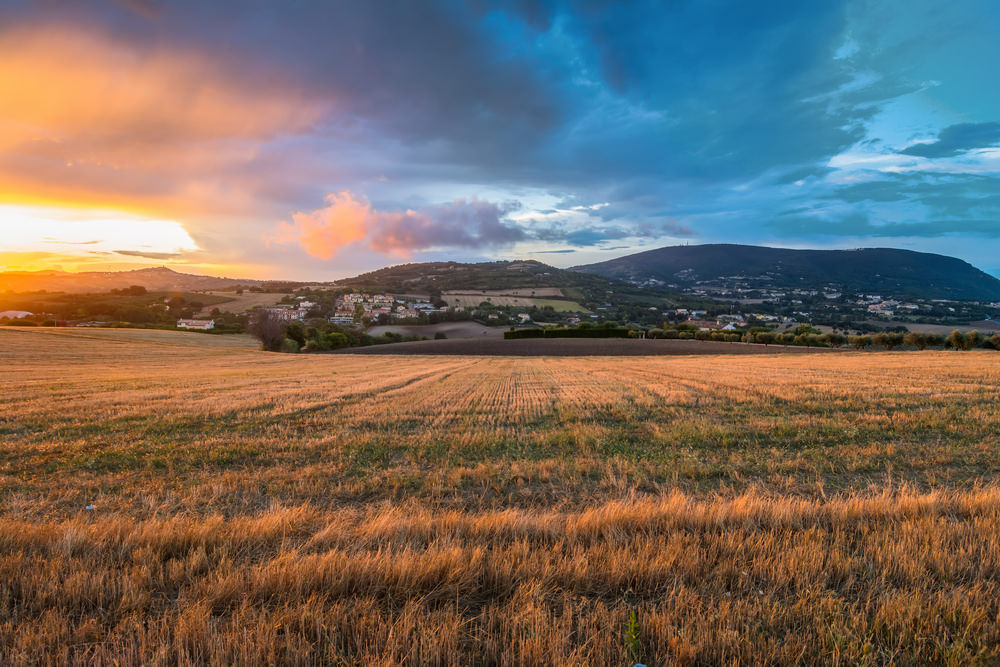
(88, 118)
(347, 220)
(323, 232)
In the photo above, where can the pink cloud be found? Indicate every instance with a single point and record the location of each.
(347, 220)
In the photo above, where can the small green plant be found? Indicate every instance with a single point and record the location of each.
(632, 646)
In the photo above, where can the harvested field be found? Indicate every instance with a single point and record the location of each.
(169, 503)
(450, 329)
(581, 347)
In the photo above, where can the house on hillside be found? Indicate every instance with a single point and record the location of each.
(202, 325)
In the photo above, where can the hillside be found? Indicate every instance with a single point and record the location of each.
(159, 279)
(885, 271)
(517, 278)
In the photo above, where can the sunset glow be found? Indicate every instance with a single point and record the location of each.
(320, 141)
(35, 237)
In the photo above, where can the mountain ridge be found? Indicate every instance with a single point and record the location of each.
(891, 271)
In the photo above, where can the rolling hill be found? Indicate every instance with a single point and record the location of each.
(160, 279)
(516, 278)
(885, 271)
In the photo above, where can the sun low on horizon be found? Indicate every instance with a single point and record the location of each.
(318, 141)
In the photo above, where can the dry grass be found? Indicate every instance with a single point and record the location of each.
(274, 509)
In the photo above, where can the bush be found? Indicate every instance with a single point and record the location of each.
(440, 336)
(289, 345)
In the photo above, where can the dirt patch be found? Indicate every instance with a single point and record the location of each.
(449, 329)
(619, 347)
(238, 303)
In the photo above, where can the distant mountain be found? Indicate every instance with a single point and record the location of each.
(159, 279)
(884, 271)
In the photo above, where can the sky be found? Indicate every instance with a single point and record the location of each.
(316, 140)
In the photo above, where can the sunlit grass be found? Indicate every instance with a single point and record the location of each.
(261, 508)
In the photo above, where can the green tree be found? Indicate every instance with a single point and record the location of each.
(860, 342)
(956, 339)
(935, 340)
(916, 339)
(268, 330)
(888, 340)
(766, 337)
(973, 339)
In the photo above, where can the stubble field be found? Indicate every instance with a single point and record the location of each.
(257, 508)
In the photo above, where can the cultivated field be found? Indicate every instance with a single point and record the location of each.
(237, 303)
(258, 508)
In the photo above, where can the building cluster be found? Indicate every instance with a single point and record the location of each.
(291, 313)
(372, 306)
(876, 305)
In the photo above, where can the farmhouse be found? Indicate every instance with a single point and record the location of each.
(203, 325)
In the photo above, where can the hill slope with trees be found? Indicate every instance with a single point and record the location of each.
(866, 270)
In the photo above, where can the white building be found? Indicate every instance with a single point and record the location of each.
(14, 314)
(284, 314)
(202, 325)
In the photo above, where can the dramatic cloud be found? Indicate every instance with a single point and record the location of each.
(956, 139)
(88, 117)
(616, 128)
(347, 220)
